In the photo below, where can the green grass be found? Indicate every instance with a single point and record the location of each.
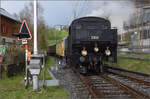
(49, 62)
(54, 36)
(132, 64)
(51, 42)
(139, 55)
(13, 88)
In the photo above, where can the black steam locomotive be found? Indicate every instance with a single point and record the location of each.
(90, 42)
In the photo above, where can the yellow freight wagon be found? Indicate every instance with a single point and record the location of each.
(60, 48)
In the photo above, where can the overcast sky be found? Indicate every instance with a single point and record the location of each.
(61, 12)
(55, 12)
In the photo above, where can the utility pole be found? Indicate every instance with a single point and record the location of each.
(35, 62)
(35, 27)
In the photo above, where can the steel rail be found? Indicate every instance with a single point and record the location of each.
(127, 89)
(125, 70)
(132, 78)
(96, 94)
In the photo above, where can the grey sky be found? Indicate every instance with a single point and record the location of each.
(61, 12)
(55, 12)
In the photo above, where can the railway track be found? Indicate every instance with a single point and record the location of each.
(136, 76)
(139, 81)
(117, 83)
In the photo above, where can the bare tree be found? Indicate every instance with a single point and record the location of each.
(27, 13)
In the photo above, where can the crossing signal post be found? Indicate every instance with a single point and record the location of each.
(24, 35)
(37, 60)
(24, 32)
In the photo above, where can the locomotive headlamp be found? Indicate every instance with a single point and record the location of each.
(84, 52)
(107, 51)
(96, 49)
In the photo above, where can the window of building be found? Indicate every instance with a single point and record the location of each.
(141, 36)
(145, 34)
(14, 29)
(3, 41)
(3, 28)
(149, 33)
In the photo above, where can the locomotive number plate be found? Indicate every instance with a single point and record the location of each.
(94, 37)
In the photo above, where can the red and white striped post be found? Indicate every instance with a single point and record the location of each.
(26, 64)
(26, 53)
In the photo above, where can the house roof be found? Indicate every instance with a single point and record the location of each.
(8, 15)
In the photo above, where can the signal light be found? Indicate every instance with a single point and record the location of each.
(29, 58)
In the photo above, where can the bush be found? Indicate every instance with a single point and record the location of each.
(14, 55)
(14, 61)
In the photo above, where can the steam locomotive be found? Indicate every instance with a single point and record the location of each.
(90, 42)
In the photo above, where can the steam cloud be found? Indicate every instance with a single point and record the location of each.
(116, 11)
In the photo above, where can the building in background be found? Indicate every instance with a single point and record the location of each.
(137, 30)
(61, 27)
(8, 25)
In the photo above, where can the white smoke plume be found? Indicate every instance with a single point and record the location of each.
(116, 11)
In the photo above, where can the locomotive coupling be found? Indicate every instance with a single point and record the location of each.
(107, 51)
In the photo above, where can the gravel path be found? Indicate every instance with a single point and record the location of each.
(69, 81)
